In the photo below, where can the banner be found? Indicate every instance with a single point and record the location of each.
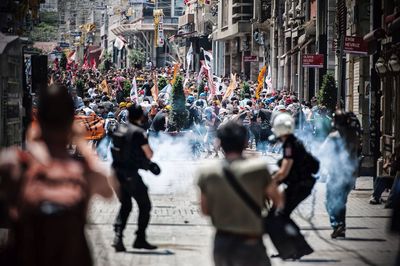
(154, 89)
(261, 77)
(158, 28)
(93, 124)
(104, 87)
(189, 56)
(268, 80)
(176, 69)
(134, 93)
(71, 57)
(208, 61)
(231, 88)
(119, 43)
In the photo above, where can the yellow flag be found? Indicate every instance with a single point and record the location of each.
(231, 87)
(261, 77)
(104, 87)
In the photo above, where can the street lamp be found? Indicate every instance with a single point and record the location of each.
(394, 64)
(380, 66)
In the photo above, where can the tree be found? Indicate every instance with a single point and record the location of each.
(201, 87)
(127, 88)
(105, 65)
(178, 115)
(327, 94)
(44, 32)
(162, 82)
(80, 86)
(245, 90)
(63, 61)
(136, 57)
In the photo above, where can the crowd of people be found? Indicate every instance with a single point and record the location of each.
(227, 116)
(109, 94)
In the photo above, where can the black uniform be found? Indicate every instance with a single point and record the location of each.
(131, 182)
(300, 182)
(158, 123)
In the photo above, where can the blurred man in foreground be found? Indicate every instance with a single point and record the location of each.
(238, 238)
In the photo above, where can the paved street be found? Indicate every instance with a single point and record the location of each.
(184, 235)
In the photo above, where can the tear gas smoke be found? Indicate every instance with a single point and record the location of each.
(171, 153)
(337, 168)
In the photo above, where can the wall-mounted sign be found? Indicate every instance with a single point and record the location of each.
(250, 58)
(313, 60)
(353, 45)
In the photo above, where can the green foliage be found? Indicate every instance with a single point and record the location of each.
(50, 18)
(178, 115)
(245, 90)
(162, 82)
(44, 32)
(127, 88)
(136, 57)
(106, 63)
(201, 88)
(327, 95)
(80, 85)
(63, 61)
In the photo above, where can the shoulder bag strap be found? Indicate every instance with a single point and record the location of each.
(250, 202)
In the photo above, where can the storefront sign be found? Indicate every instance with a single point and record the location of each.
(250, 58)
(313, 60)
(63, 44)
(353, 45)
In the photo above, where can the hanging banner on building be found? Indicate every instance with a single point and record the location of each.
(313, 60)
(159, 38)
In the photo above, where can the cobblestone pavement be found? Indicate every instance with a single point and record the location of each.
(185, 237)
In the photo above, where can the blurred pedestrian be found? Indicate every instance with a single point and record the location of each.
(238, 239)
(48, 191)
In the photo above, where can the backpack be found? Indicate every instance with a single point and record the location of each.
(126, 157)
(311, 164)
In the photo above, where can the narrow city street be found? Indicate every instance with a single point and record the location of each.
(184, 236)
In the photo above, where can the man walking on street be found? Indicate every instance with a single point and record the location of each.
(238, 238)
(132, 152)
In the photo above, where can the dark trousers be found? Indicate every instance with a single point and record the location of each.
(381, 183)
(135, 188)
(234, 250)
(296, 193)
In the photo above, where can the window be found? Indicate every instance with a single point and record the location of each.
(179, 7)
(225, 9)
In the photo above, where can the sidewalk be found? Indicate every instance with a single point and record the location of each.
(185, 237)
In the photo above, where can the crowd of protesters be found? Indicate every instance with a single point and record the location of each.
(108, 95)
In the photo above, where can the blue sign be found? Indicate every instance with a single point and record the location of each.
(63, 44)
(76, 33)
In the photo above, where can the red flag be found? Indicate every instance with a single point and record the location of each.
(85, 63)
(92, 63)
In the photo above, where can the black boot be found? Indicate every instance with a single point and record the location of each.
(339, 231)
(141, 243)
(118, 244)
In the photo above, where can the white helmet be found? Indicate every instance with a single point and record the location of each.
(283, 124)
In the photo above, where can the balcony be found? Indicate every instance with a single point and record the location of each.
(186, 19)
(144, 24)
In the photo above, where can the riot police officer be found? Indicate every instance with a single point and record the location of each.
(295, 167)
(131, 152)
